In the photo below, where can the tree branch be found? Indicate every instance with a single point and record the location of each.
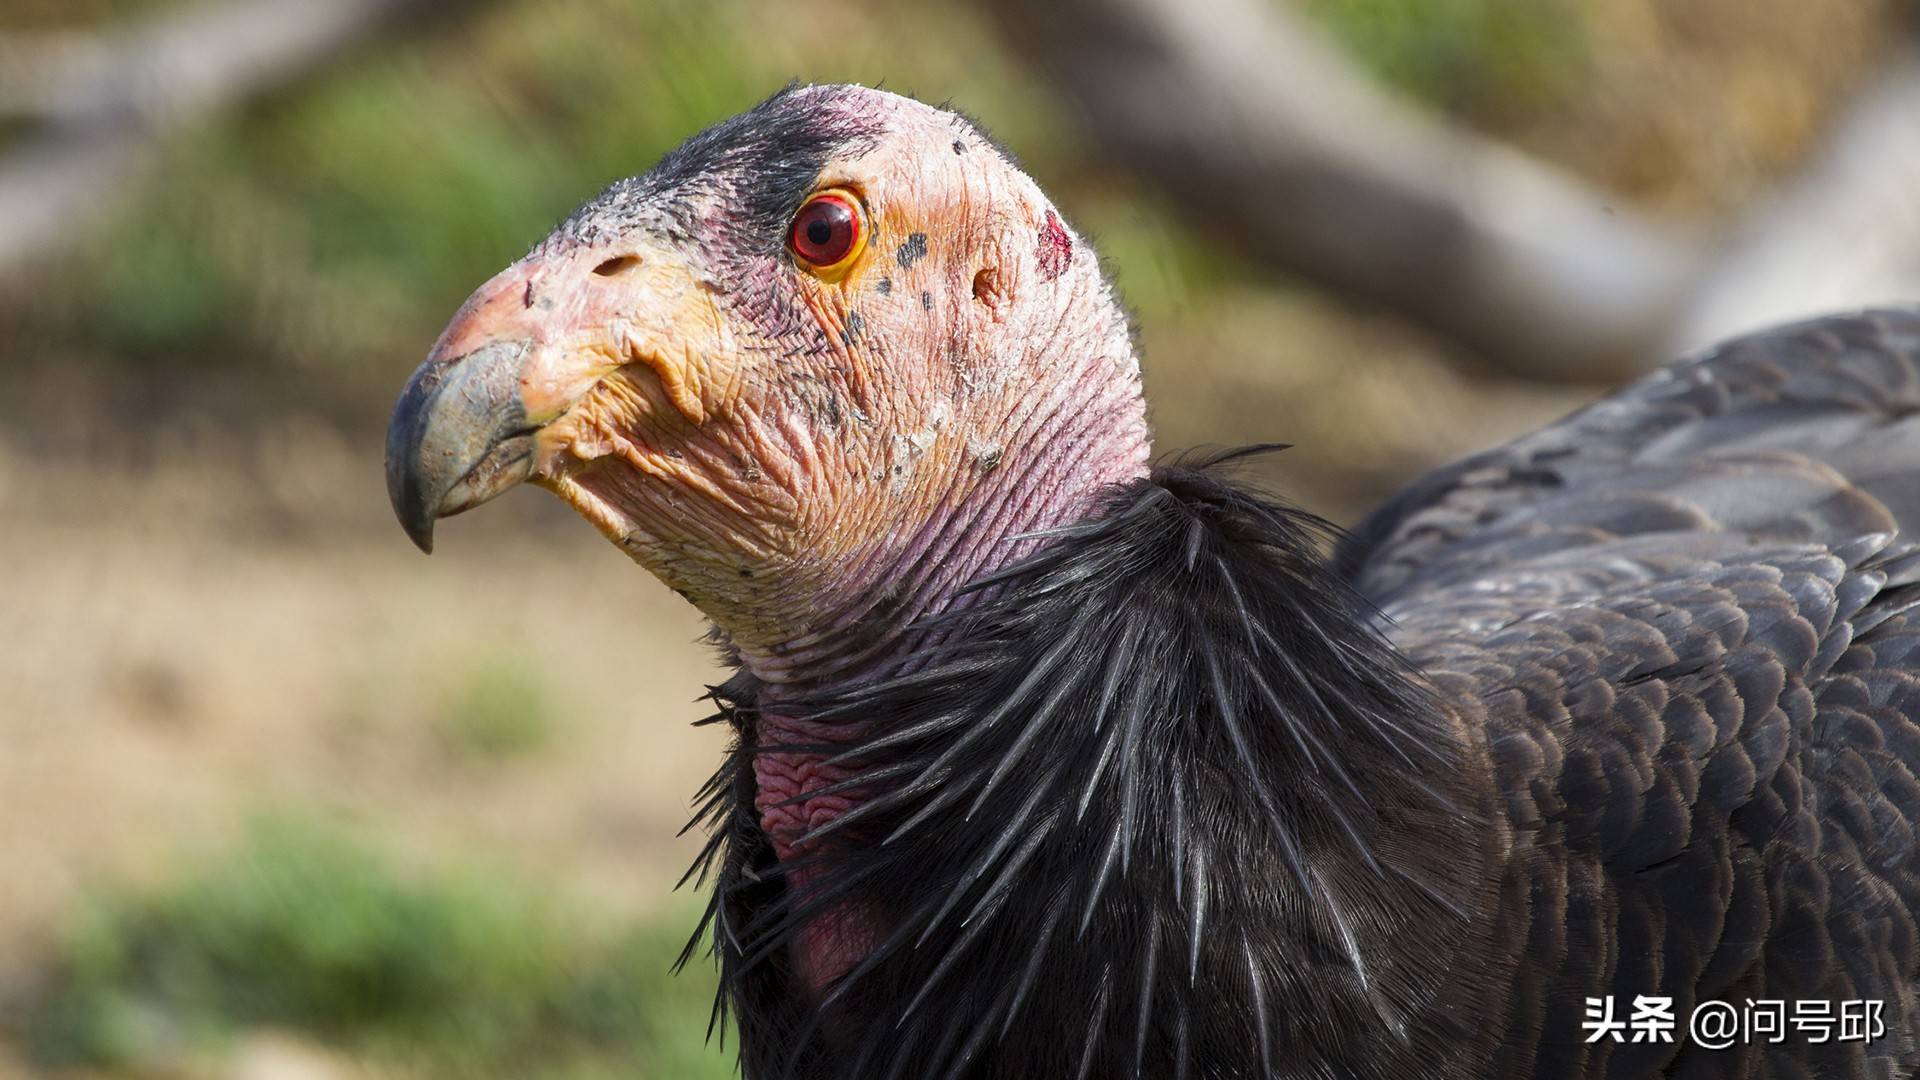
(105, 102)
(1306, 165)
(1844, 233)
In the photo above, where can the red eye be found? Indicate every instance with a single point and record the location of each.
(827, 232)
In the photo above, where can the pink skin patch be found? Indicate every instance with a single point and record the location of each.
(1056, 248)
(782, 777)
(832, 943)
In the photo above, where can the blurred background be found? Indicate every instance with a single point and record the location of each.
(282, 800)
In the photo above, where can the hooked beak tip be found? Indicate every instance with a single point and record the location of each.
(421, 533)
(459, 436)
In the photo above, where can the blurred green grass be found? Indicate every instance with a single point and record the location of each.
(1485, 60)
(434, 973)
(332, 229)
(502, 709)
(335, 228)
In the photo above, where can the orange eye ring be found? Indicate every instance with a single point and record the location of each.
(828, 233)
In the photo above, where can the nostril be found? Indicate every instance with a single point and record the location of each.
(986, 287)
(619, 264)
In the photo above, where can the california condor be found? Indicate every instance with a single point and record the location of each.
(1053, 762)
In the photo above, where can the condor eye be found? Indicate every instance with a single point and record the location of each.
(827, 233)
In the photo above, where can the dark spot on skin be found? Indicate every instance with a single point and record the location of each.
(959, 147)
(912, 251)
(988, 460)
(1055, 248)
(926, 301)
(527, 300)
(675, 454)
(833, 413)
(746, 573)
(885, 286)
(855, 324)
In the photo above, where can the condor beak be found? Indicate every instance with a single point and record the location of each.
(459, 436)
(526, 348)
(461, 432)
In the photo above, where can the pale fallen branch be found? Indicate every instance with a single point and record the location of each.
(1301, 161)
(1274, 139)
(104, 102)
(1843, 233)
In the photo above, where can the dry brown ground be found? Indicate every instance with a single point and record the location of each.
(203, 624)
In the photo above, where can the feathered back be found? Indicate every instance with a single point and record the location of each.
(1687, 619)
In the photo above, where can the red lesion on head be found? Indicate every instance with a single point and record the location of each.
(1055, 251)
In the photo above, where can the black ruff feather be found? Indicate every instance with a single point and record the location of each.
(1160, 803)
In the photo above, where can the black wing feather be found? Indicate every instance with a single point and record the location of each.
(1807, 433)
(1672, 609)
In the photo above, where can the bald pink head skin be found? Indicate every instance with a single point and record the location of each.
(813, 460)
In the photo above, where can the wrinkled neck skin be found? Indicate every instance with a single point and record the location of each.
(1065, 447)
(1069, 434)
(1069, 442)
(1073, 448)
